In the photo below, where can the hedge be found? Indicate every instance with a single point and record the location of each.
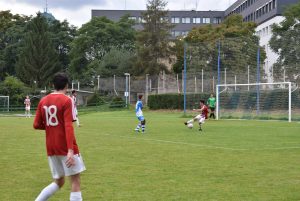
(272, 99)
(175, 101)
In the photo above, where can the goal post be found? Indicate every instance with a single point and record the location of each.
(265, 101)
(4, 103)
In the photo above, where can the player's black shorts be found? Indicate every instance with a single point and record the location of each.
(212, 109)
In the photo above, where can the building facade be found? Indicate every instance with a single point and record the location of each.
(183, 21)
(264, 13)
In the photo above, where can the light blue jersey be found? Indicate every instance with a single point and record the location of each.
(138, 110)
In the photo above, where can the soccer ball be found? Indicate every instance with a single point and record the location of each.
(190, 125)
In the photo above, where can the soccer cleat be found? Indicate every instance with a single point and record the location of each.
(185, 123)
(137, 130)
(200, 129)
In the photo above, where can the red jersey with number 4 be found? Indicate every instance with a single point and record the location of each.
(204, 111)
(55, 115)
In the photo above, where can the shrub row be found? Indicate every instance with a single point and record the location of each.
(175, 101)
(274, 99)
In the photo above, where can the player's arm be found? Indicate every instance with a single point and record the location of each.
(38, 120)
(69, 131)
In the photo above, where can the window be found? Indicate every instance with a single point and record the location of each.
(206, 20)
(176, 33)
(216, 20)
(164, 19)
(186, 20)
(274, 4)
(197, 20)
(141, 20)
(270, 6)
(184, 33)
(132, 18)
(175, 20)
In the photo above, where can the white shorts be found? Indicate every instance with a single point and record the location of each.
(27, 108)
(200, 118)
(59, 169)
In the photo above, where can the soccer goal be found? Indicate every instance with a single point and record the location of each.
(264, 101)
(4, 103)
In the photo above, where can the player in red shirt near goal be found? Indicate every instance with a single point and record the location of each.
(55, 115)
(27, 104)
(201, 117)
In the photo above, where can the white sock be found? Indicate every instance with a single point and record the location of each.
(47, 192)
(190, 121)
(77, 121)
(75, 196)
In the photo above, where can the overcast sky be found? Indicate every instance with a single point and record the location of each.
(78, 12)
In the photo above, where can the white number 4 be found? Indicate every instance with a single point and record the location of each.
(50, 113)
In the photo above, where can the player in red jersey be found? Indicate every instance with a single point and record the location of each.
(27, 104)
(201, 117)
(55, 115)
(74, 98)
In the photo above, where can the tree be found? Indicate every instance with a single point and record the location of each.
(115, 62)
(153, 42)
(13, 88)
(11, 33)
(286, 42)
(38, 59)
(62, 34)
(94, 40)
(238, 44)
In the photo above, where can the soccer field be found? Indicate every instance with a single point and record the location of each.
(229, 160)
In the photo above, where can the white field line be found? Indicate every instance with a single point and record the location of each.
(200, 145)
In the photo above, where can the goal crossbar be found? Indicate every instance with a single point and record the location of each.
(256, 84)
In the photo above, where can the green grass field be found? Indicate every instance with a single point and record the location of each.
(229, 160)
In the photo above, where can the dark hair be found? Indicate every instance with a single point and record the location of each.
(202, 101)
(140, 96)
(60, 81)
(73, 91)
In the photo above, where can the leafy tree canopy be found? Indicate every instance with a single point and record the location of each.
(236, 39)
(153, 42)
(38, 59)
(95, 39)
(286, 43)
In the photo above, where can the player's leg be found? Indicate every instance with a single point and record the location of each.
(74, 173)
(201, 121)
(51, 189)
(138, 127)
(77, 122)
(58, 176)
(75, 194)
(77, 119)
(196, 118)
(143, 123)
(213, 111)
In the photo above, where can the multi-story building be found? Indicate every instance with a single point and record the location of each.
(183, 21)
(263, 12)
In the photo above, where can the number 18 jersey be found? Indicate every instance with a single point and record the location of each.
(55, 115)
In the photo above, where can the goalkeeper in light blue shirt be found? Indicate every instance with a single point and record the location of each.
(139, 115)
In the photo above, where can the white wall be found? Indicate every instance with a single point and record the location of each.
(264, 31)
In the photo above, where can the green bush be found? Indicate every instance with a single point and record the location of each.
(175, 101)
(15, 89)
(117, 102)
(96, 99)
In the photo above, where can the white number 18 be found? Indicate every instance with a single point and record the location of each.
(50, 113)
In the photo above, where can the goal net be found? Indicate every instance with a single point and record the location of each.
(4, 103)
(265, 101)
